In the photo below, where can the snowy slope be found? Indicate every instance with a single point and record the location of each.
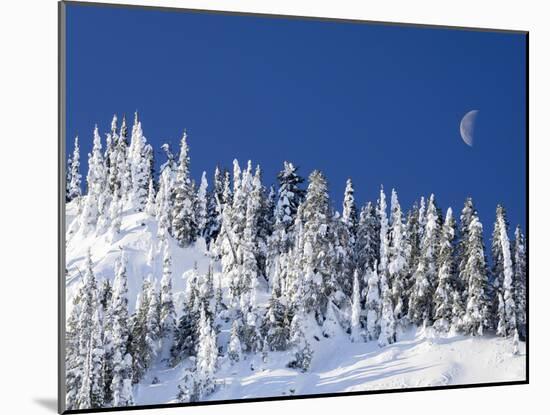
(341, 366)
(419, 358)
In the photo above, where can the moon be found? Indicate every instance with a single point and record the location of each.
(467, 127)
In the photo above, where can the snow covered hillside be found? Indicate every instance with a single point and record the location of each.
(419, 358)
(178, 292)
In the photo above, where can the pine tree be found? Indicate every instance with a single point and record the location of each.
(387, 318)
(96, 181)
(234, 350)
(167, 310)
(289, 196)
(74, 190)
(184, 227)
(397, 267)
(466, 216)
(138, 346)
(150, 205)
(444, 297)
(496, 285)
(367, 246)
(207, 356)
(373, 304)
(121, 386)
(346, 235)
(317, 248)
(476, 317)
(111, 157)
(302, 351)
(201, 209)
(276, 325)
(96, 363)
(507, 325)
(139, 166)
(520, 280)
(164, 206)
(356, 310)
(425, 276)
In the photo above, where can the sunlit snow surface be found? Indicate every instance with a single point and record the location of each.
(419, 358)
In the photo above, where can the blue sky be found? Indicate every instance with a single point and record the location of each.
(380, 104)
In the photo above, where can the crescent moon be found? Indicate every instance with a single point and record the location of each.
(467, 127)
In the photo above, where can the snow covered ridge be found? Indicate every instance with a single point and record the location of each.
(178, 292)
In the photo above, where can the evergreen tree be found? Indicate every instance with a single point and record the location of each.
(302, 351)
(476, 317)
(276, 325)
(139, 347)
(444, 297)
(425, 276)
(74, 190)
(164, 206)
(507, 325)
(121, 385)
(520, 280)
(201, 209)
(373, 304)
(466, 216)
(207, 356)
(234, 350)
(150, 205)
(184, 227)
(167, 309)
(367, 246)
(111, 157)
(356, 310)
(289, 196)
(96, 181)
(397, 266)
(317, 249)
(387, 318)
(139, 166)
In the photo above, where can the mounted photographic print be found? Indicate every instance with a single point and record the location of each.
(259, 207)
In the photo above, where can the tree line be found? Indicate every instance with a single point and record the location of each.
(372, 271)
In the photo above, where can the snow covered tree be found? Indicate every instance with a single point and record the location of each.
(444, 297)
(276, 325)
(138, 346)
(345, 238)
(520, 280)
(150, 205)
(356, 310)
(201, 209)
(184, 226)
(476, 317)
(303, 354)
(91, 394)
(96, 182)
(507, 325)
(317, 247)
(139, 166)
(167, 309)
(349, 209)
(468, 212)
(121, 386)
(164, 206)
(289, 197)
(207, 356)
(373, 304)
(425, 275)
(111, 157)
(74, 190)
(397, 257)
(234, 350)
(367, 245)
(387, 318)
